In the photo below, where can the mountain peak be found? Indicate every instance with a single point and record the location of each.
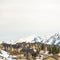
(31, 38)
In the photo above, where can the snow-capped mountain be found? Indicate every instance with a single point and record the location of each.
(54, 40)
(33, 38)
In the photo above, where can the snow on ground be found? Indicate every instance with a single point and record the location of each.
(5, 55)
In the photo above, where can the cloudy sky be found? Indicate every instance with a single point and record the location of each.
(19, 18)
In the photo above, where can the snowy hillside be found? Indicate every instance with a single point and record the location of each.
(5, 55)
(54, 40)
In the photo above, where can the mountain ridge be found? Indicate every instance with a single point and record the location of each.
(53, 40)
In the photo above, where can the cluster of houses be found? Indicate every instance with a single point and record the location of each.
(22, 50)
(27, 51)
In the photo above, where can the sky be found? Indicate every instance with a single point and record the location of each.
(20, 18)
